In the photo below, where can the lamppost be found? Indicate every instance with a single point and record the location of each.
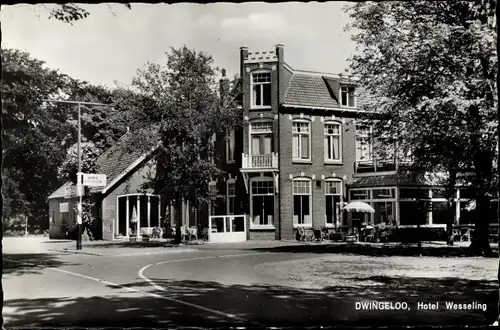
(79, 183)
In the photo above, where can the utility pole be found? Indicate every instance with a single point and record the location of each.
(79, 175)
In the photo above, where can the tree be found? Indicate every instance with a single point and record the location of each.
(37, 135)
(432, 67)
(31, 134)
(177, 112)
(70, 12)
(69, 168)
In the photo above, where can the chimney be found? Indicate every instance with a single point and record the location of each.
(243, 57)
(223, 85)
(280, 49)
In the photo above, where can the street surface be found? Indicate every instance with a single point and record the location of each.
(253, 283)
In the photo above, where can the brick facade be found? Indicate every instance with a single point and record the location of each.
(282, 118)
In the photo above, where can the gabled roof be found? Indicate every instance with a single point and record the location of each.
(115, 162)
(321, 90)
(117, 159)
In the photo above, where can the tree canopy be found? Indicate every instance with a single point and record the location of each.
(38, 134)
(179, 110)
(432, 67)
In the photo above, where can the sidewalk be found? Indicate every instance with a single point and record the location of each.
(43, 245)
(126, 248)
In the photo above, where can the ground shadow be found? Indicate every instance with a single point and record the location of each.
(380, 249)
(31, 263)
(266, 305)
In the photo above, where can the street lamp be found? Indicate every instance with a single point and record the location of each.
(79, 183)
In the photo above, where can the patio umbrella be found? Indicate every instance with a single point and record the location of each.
(359, 207)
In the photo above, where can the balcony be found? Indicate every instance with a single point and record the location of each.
(256, 162)
(374, 165)
(380, 165)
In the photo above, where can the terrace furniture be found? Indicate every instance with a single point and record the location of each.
(457, 237)
(301, 234)
(204, 233)
(309, 235)
(466, 236)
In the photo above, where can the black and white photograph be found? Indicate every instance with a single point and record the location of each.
(250, 165)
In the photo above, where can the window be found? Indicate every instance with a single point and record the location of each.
(347, 96)
(333, 142)
(384, 194)
(213, 139)
(360, 194)
(261, 89)
(145, 207)
(262, 202)
(363, 143)
(302, 202)
(301, 141)
(261, 138)
(333, 193)
(230, 196)
(230, 143)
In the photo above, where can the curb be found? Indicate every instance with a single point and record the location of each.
(67, 251)
(78, 252)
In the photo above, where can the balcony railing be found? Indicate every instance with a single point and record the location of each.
(260, 161)
(375, 165)
(380, 165)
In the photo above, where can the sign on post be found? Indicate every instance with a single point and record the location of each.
(94, 180)
(71, 192)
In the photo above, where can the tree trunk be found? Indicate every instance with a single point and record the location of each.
(419, 214)
(480, 240)
(178, 220)
(450, 196)
(498, 172)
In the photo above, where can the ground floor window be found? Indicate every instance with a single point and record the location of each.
(262, 201)
(333, 199)
(302, 203)
(146, 208)
(384, 212)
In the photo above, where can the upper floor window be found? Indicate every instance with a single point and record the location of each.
(212, 141)
(301, 142)
(261, 138)
(333, 143)
(347, 96)
(230, 144)
(261, 89)
(364, 143)
(230, 196)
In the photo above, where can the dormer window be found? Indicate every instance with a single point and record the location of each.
(347, 96)
(261, 89)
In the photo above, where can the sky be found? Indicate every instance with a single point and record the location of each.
(111, 44)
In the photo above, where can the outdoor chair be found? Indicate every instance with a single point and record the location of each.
(309, 235)
(383, 235)
(204, 233)
(301, 234)
(466, 235)
(369, 235)
(456, 235)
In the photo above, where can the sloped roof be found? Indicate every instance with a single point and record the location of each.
(117, 159)
(113, 162)
(374, 181)
(61, 192)
(316, 90)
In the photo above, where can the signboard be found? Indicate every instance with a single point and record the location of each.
(63, 207)
(94, 180)
(71, 191)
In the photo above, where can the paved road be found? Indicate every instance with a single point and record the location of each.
(209, 285)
